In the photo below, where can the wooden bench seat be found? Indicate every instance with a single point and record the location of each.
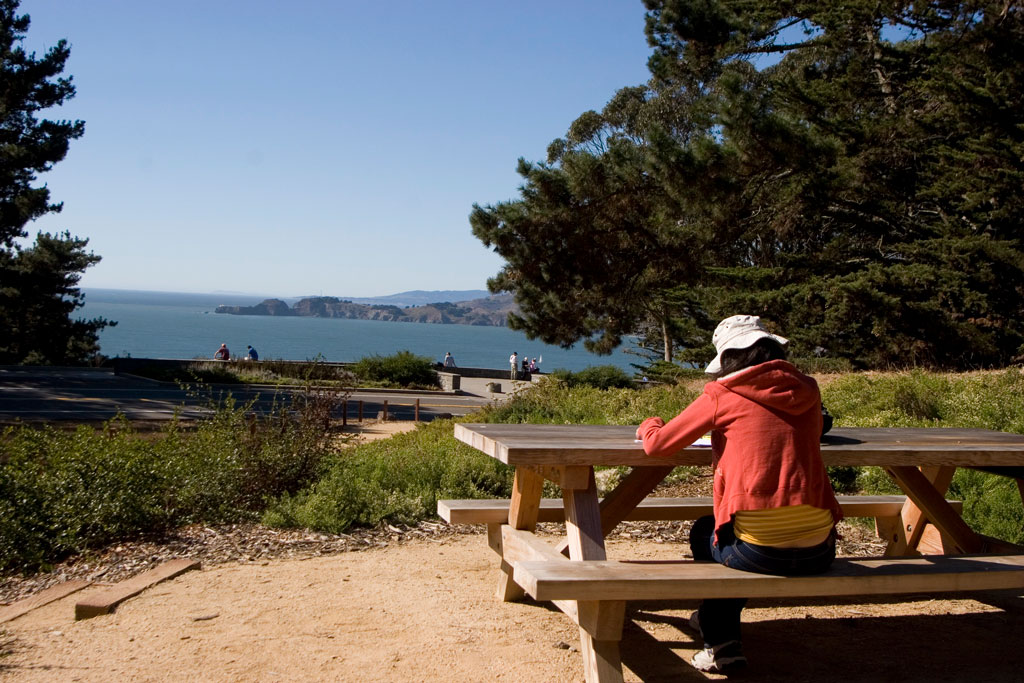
(495, 511)
(606, 580)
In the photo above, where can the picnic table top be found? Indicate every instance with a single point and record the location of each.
(549, 444)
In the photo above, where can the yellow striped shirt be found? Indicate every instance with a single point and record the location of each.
(793, 526)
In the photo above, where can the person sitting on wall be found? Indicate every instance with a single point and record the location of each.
(222, 353)
(449, 362)
(251, 354)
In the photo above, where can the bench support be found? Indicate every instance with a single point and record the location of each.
(925, 488)
(522, 514)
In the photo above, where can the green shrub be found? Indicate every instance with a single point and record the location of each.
(663, 371)
(989, 400)
(398, 480)
(992, 504)
(552, 402)
(822, 366)
(403, 369)
(985, 400)
(64, 492)
(597, 376)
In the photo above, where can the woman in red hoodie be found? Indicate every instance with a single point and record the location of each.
(774, 508)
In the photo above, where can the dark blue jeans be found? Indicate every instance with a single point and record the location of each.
(720, 618)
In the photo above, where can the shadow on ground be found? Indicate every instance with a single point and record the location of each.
(908, 648)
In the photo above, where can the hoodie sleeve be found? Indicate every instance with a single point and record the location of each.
(664, 439)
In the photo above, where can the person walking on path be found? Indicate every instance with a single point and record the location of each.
(774, 508)
(513, 361)
(222, 353)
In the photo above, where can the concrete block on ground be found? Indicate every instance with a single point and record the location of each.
(45, 597)
(105, 601)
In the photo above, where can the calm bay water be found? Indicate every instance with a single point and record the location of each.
(173, 325)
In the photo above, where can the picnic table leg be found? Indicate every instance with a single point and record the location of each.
(583, 522)
(601, 660)
(905, 535)
(630, 492)
(527, 487)
(928, 494)
(600, 632)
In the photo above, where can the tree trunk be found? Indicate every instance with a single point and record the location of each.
(666, 339)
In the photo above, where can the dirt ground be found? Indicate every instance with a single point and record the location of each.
(424, 610)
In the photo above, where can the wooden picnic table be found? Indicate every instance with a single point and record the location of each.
(922, 461)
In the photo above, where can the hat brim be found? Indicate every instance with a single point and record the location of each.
(741, 342)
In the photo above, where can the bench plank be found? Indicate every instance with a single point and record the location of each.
(678, 580)
(491, 510)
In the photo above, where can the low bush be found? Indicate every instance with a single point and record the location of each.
(552, 402)
(663, 371)
(597, 376)
(984, 400)
(988, 400)
(65, 492)
(402, 369)
(398, 480)
(822, 366)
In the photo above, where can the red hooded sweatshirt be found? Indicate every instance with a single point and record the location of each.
(765, 424)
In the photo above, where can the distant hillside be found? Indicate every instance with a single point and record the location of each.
(418, 297)
(489, 310)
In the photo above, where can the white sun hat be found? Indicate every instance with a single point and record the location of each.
(738, 332)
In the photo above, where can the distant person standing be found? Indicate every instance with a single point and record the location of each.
(513, 361)
(533, 365)
(449, 362)
(222, 353)
(251, 354)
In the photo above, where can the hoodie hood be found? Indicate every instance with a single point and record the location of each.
(777, 385)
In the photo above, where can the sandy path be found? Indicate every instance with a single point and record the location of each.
(425, 611)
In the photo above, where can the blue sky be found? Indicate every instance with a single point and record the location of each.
(315, 147)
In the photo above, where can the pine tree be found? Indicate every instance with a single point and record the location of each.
(38, 284)
(586, 243)
(862, 193)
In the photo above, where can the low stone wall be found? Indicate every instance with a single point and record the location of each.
(482, 373)
(449, 381)
(130, 365)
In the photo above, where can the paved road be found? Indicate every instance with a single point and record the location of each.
(87, 394)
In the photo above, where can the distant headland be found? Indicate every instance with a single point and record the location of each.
(488, 310)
